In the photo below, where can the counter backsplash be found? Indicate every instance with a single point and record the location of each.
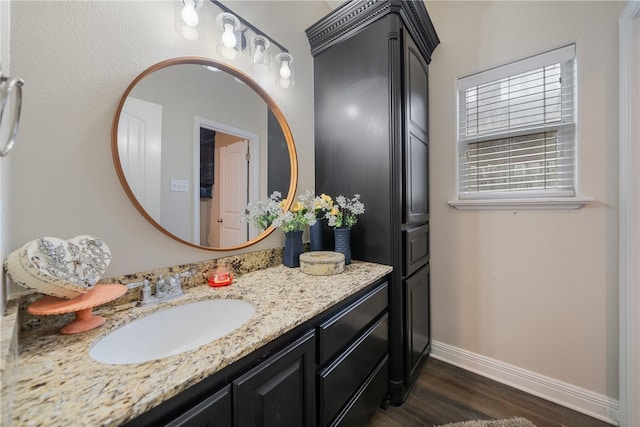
(241, 264)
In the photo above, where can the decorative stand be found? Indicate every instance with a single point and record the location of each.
(81, 305)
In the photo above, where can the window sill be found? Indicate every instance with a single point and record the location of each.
(549, 203)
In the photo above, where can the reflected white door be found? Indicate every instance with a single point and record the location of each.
(234, 171)
(139, 147)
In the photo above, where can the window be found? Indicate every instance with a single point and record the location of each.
(516, 129)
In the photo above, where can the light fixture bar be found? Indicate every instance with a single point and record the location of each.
(248, 24)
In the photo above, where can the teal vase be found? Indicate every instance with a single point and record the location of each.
(292, 248)
(343, 242)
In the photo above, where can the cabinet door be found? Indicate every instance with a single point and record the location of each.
(215, 411)
(416, 248)
(281, 390)
(417, 320)
(416, 139)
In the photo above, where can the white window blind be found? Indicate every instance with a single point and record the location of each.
(516, 128)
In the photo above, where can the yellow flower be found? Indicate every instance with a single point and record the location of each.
(335, 211)
(297, 207)
(283, 203)
(327, 199)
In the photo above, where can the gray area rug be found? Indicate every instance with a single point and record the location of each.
(511, 422)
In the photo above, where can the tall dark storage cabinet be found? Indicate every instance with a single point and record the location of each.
(372, 138)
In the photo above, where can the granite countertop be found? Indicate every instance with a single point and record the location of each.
(59, 384)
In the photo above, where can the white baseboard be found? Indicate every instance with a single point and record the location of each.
(584, 401)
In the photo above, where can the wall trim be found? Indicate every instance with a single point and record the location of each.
(629, 288)
(578, 399)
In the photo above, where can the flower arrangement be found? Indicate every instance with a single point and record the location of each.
(270, 212)
(264, 212)
(345, 211)
(319, 205)
(296, 219)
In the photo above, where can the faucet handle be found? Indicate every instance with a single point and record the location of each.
(134, 285)
(175, 286)
(145, 292)
(162, 286)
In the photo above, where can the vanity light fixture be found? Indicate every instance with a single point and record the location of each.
(233, 40)
(188, 22)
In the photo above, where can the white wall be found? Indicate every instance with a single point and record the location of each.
(537, 290)
(77, 59)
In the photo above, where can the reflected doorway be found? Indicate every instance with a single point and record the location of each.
(223, 176)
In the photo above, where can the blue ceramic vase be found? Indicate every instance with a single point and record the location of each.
(315, 236)
(343, 242)
(292, 248)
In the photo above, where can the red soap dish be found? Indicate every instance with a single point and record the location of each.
(217, 280)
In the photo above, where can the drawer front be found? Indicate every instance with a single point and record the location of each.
(363, 405)
(338, 332)
(349, 372)
(416, 248)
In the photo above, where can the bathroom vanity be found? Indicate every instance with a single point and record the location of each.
(315, 352)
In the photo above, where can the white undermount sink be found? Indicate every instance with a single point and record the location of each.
(172, 331)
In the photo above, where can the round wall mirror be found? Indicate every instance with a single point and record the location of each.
(193, 142)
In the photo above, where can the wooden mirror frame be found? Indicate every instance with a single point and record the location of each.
(293, 159)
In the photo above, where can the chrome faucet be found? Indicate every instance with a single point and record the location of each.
(166, 290)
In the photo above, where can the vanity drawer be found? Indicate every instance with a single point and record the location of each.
(337, 332)
(363, 405)
(416, 248)
(349, 372)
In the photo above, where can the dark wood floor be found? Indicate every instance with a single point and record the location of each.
(444, 393)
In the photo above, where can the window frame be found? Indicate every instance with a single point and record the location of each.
(518, 198)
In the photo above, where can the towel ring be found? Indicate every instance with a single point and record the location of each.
(8, 84)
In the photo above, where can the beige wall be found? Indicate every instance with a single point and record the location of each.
(77, 59)
(535, 289)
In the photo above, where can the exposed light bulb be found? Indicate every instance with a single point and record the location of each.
(285, 74)
(258, 56)
(189, 14)
(285, 71)
(228, 38)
